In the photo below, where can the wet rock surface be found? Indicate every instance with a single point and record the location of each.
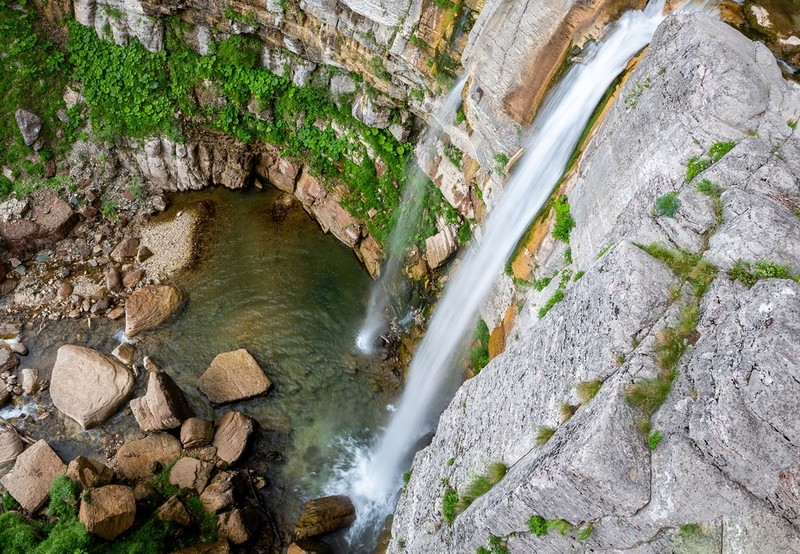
(149, 307)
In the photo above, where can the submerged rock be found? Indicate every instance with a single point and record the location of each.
(325, 515)
(108, 511)
(162, 407)
(88, 386)
(149, 307)
(233, 376)
(34, 471)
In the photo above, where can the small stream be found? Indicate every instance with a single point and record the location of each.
(270, 281)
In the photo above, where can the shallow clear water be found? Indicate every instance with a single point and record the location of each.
(269, 281)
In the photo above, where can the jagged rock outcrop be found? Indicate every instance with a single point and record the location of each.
(724, 477)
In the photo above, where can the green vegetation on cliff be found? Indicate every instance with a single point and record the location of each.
(33, 79)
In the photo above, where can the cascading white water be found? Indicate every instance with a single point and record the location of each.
(390, 281)
(374, 478)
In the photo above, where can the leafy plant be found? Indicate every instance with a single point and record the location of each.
(750, 273)
(563, 225)
(654, 439)
(696, 166)
(500, 162)
(719, 149)
(667, 205)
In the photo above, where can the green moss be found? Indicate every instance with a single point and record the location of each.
(696, 166)
(478, 356)
(719, 149)
(537, 525)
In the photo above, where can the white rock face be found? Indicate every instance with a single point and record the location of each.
(728, 461)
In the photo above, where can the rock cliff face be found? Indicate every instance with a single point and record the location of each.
(725, 476)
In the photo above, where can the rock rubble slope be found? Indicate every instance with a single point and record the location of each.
(725, 475)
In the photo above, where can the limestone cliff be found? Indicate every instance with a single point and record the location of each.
(724, 477)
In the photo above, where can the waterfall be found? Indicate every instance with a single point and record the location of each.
(390, 283)
(374, 477)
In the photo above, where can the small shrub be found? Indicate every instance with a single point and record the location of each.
(406, 479)
(541, 284)
(449, 502)
(568, 256)
(453, 154)
(667, 205)
(654, 439)
(500, 161)
(696, 166)
(461, 116)
(708, 188)
(749, 274)
(563, 225)
(478, 356)
(480, 485)
(578, 275)
(451, 461)
(587, 390)
(718, 150)
(792, 123)
(537, 525)
(544, 434)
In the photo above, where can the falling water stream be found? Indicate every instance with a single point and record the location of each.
(391, 281)
(372, 477)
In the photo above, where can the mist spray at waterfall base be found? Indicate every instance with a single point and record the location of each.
(373, 477)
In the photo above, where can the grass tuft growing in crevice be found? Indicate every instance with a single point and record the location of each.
(544, 434)
(749, 273)
(587, 390)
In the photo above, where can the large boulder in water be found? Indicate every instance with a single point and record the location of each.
(144, 458)
(325, 515)
(162, 407)
(233, 376)
(149, 307)
(34, 471)
(88, 386)
(108, 511)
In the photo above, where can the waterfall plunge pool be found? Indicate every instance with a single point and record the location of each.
(268, 280)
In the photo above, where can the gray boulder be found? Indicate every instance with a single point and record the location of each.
(30, 125)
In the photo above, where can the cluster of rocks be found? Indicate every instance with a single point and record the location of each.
(14, 382)
(63, 260)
